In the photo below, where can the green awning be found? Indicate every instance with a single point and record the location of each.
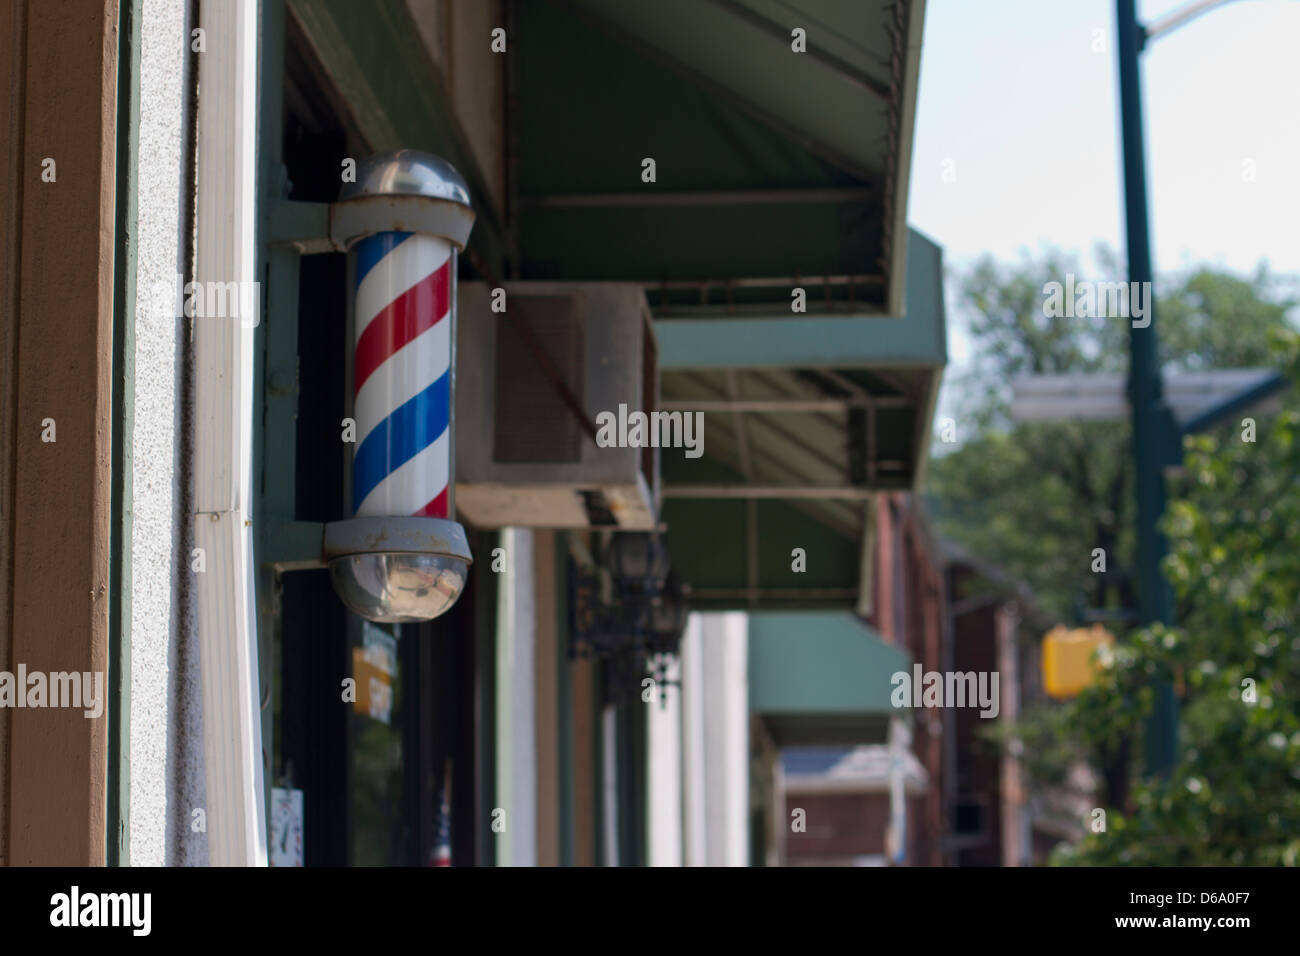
(821, 677)
(769, 163)
(775, 171)
(803, 420)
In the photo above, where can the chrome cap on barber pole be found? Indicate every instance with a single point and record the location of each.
(403, 557)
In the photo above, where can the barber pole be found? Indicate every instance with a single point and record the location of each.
(401, 557)
(402, 374)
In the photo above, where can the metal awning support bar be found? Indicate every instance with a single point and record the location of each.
(700, 197)
(806, 448)
(767, 282)
(317, 227)
(777, 594)
(782, 404)
(808, 493)
(781, 33)
(799, 442)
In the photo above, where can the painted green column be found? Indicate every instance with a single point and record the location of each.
(1152, 423)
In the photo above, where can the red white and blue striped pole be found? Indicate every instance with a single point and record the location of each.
(402, 375)
(402, 557)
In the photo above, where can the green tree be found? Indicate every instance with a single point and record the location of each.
(1039, 499)
(1234, 798)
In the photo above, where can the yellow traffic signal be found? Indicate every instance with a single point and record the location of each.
(1068, 663)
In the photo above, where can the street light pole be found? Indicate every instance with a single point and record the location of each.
(1153, 430)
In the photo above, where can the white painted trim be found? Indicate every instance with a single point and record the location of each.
(734, 716)
(695, 825)
(664, 779)
(223, 424)
(715, 695)
(516, 701)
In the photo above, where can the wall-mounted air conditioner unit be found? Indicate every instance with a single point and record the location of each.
(522, 456)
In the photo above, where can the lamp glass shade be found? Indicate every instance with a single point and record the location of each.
(398, 587)
(639, 557)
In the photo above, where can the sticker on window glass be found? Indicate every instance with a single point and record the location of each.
(286, 827)
(374, 666)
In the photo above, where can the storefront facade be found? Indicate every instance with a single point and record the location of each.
(653, 217)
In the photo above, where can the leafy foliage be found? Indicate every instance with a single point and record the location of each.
(1234, 798)
(1037, 499)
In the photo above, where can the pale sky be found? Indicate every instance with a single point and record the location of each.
(1015, 94)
